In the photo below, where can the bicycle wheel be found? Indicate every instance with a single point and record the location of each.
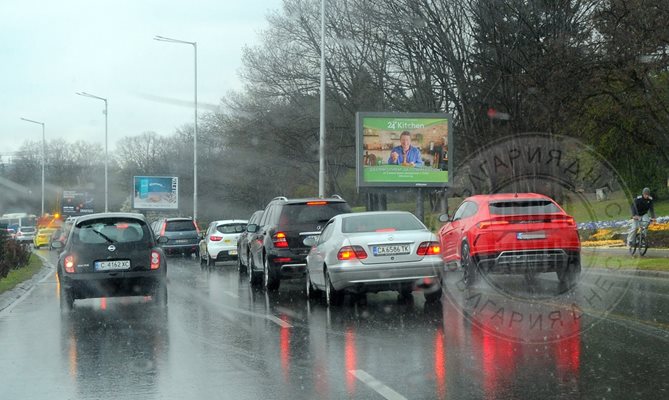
(634, 245)
(643, 245)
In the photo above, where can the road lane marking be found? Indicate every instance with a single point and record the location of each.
(376, 385)
(230, 294)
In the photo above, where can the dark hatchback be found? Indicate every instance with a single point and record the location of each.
(108, 255)
(276, 242)
(183, 235)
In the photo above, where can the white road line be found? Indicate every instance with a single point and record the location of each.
(230, 294)
(375, 385)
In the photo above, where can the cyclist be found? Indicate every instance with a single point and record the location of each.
(642, 206)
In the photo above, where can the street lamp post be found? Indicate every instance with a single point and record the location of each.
(106, 147)
(321, 146)
(194, 44)
(43, 156)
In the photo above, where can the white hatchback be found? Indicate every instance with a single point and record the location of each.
(220, 241)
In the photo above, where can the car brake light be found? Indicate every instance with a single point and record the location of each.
(280, 240)
(282, 260)
(69, 264)
(429, 249)
(566, 220)
(351, 253)
(155, 260)
(162, 230)
(317, 203)
(215, 238)
(485, 224)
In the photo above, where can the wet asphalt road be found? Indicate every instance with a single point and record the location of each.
(503, 339)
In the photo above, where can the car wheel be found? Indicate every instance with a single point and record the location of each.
(333, 297)
(160, 294)
(254, 277)
(270, 281)
(570, 274)
(469, 268)
(433, 295)
(240, 266)
(311, 290)
(66, 299)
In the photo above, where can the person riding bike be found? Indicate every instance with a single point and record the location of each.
(642, 206)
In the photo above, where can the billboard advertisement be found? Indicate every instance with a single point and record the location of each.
(77, 202)
(155, 192)
(403, 149)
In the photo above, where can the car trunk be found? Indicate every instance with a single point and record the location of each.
(538, 231)
(96, 257)
(392, 247)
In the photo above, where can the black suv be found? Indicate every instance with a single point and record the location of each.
(276, 248)
(182, 233)
(111, 254)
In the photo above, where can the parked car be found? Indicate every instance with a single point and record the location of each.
(372, 252)
(25, 234)
(219, 243)
(43, 237)
(243, 252)
(524, 233)
(183, 235)
(111, 254)
(277, 250)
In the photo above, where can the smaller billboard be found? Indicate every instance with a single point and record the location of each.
(77, 202)
(155, 192)
(403, 149)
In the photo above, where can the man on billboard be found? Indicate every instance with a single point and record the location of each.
(405, 154)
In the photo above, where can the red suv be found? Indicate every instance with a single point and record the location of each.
(511, 233)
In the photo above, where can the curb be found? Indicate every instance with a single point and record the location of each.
(9, 297)
(630, 272)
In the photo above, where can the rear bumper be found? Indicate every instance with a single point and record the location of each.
(180, 248)
(112, 284)
(292, 266)
(521, 261)
(379, 277)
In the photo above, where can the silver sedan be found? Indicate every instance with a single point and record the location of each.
(373, 252)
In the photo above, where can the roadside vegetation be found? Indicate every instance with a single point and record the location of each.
(16, 263)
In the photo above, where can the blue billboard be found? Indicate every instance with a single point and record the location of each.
(155, 193)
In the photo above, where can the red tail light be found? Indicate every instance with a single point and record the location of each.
(351, 253)
(429, 249)
(564, 220)
(282, 260)
(317, 203)
(215, 238)
(155, 260)
(162, 230)
(280, 240)
(69, 264)
(486, 224)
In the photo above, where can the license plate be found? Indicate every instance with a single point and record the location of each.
(112, 265)
(391, 249)
(232, 252)
(181, 241)
(530, 235)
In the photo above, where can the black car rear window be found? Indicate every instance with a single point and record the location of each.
(523, 207)
(231, 228)
(110, 231)
(380, 223)
(180, 226)
(299, 214)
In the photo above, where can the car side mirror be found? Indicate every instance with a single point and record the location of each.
(310, 241)
(445, 218)
(252, 228)
(163, 240)
(57, 244)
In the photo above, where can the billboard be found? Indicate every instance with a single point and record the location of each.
(77, 202)
(403, 149)
(155, 192)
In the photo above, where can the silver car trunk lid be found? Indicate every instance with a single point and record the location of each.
(389, 247)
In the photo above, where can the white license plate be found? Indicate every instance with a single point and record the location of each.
(232, 252)
(112, 265)
(530, 235)
(391, 249)
(181, 241)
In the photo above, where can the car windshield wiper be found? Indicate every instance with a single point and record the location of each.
(105, 237)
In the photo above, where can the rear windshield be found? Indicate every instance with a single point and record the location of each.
(110, 231)
(523, 207)
(180, 226)
(26, 229)
(381, 223)
(303, 214)
(231, 228)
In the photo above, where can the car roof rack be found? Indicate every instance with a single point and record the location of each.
(336, 196)
(280, 198)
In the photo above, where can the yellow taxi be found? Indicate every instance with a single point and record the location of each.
(43, 237)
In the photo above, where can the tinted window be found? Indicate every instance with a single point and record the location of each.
(231, 228)
(460, 211)
(381, 222)
(523, 207)
(327, 233)
(26, 229)
(310, 214)
(180, 226)
(110, 231)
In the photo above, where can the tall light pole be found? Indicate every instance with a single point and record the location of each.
(106, 147)
(194, 44)
(43, 156)
(321, 146)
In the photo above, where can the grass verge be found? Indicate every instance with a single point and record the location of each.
(624, 262)
(16, 276)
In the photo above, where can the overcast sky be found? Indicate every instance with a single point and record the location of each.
(49, 50)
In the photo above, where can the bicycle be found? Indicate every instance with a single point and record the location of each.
(640, 241)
